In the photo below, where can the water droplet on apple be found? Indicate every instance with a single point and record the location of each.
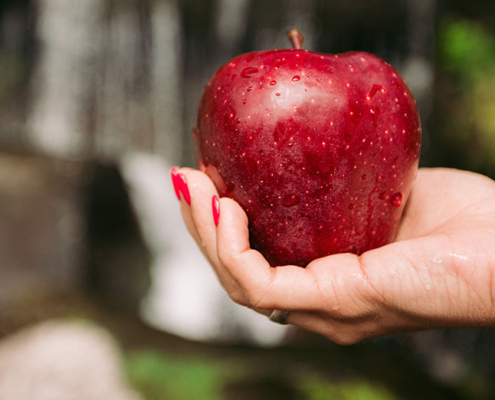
(249, 88)
(277, 94)
(375, 112)
(296, 78)
(244, 101)
(352, 206)
(250, 58)
(273, 83)
(396, 199)
(374, 90)
(238, 120)
(248, 72)
(290, 200)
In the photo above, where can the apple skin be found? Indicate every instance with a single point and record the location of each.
(320, 150)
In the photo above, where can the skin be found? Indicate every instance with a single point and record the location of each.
(439, 272)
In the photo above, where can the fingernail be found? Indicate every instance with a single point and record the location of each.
(215, 204)
(183, 188)
(173, 176)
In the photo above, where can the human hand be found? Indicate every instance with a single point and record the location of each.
(439, 272)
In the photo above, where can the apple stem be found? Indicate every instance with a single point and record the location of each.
(296, 38)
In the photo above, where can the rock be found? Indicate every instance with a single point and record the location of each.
(62, 361)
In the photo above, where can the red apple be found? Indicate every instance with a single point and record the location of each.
(320, 150)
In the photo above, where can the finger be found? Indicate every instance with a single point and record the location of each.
(323, 283)
(199, 220)
(185, 208)
(199, 213)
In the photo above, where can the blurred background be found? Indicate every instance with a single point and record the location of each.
(102, 292)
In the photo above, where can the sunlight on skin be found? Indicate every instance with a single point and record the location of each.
(438, 272)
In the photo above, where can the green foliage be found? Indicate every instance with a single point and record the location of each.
(159, 377)
(319, 389)
(467, 55)
(468, 49)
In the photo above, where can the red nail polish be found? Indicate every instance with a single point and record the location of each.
(183, 188)
(215, 204)
(175, 182)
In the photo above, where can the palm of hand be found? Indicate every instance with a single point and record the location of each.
(438, 273)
